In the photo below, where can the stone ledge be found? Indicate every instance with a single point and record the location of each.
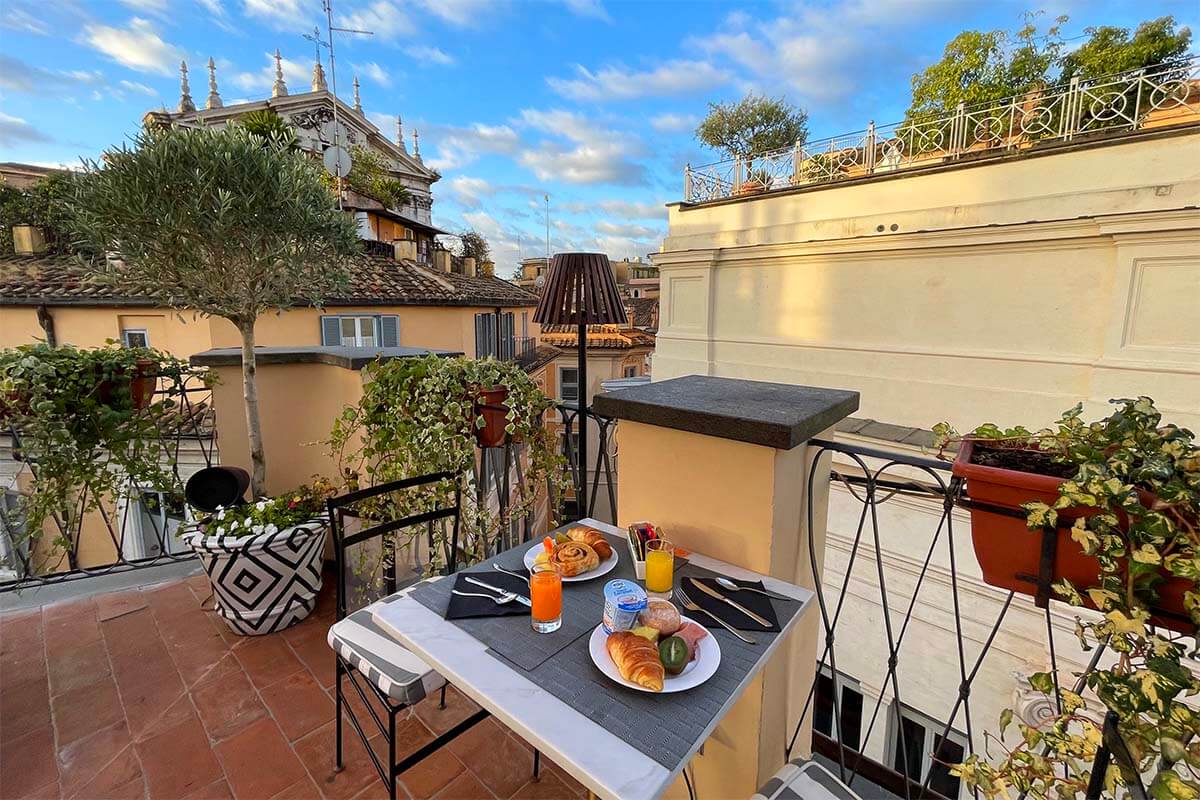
(776, 415)
(345, 357)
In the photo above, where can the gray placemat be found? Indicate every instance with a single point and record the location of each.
(663, 726)
(513, 637)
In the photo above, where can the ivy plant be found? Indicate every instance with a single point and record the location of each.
(1140, 478)
(418, 416)
(74, 419)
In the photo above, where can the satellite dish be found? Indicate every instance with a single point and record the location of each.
(539, 281)
(337, 161)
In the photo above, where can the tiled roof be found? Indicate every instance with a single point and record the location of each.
(538, 357)
(613, 337)
(376, 280)
(643, 312)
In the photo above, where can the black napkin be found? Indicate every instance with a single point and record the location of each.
(465, 607)
(758, 603)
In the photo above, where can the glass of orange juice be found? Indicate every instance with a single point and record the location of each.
(545, 593)
(660, 568)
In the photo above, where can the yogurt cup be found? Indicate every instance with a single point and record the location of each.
(623, 600)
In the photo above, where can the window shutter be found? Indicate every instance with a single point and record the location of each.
(389, 330)
(331, 331)
(480, 335)
(507, 345)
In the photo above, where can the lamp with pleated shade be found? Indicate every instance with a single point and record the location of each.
(581, 290)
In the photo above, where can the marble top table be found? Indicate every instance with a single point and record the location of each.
(601, 761)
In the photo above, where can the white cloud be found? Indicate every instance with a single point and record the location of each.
(289, 15)
(19, 76)
(627, 230)
(620, 83)
(382, 17)
(588, 8)
(138, 47)
(18, 19)
(459, 147)
(432, 55)
(468, 191)
(462, 13)
(14, 130)
(631, 210)
(134, 86)
(147, 6)
(374, 72)
(298, 76)
(673, 123)
(592, 154)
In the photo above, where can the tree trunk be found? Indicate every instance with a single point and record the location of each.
(258, 459)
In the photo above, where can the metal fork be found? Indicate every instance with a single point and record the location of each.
(687, 603)
(499, 568)
(507, 597)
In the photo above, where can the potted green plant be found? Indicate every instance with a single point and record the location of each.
(757, 181)
(1131, 496)
(423, 415)
(78, 415)
(263, 558)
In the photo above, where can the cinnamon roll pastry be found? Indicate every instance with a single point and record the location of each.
(592, 538)
(574, 558)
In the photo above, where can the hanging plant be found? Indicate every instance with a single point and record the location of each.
(83, 419)
(1130, 495)
(422, 415)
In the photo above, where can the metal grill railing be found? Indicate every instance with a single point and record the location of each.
(1168, 94)
(603, 448)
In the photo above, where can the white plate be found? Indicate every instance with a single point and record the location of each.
(708, 658)
(603, 568)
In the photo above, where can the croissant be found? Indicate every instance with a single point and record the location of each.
(593, 539)
(574, 558)
(636, 659)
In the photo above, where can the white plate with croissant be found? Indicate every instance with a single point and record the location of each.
(587, 555)
(633, 661)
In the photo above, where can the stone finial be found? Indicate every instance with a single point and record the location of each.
(318, 79)
(400, 134)
(214, 98)
(185, 91)
(357, 99)
(279, 89)
(416, 144)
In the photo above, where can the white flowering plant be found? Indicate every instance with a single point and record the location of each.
(271, 515)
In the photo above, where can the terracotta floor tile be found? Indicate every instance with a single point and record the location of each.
(245, 755)
(439, 720)
(34, 752)
(317, 752)
(298, 704)
(72, 625)
(548, 786)
(79, 666)
(51, 791)
(318, 657)
(465, 787)
(227, 704)
(147, 701)
(170, 600)
(431, 775)
(216, 791)
(119, 779)
(24, 703)
(82, 759)
(116, 604)
(178, 761)
(267, 659)
(194, 645)
(576, 788)
(303, 789)
(502, 763)
(82, 711)
(20, 631)
(135, 644)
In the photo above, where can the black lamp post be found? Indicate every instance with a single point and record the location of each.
(581, 290)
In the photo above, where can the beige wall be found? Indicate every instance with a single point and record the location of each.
(180, 333)
(1005, 292)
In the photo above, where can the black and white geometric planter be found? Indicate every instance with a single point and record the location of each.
(265, 582)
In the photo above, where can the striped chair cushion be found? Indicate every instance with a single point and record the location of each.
(368, 648)
(804, 780)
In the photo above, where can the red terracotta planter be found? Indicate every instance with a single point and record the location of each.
(1009, 554)
(141, 385)
(489, 403)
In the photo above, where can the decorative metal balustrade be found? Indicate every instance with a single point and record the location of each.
(1114, 105)
(898, 557)
(602, 462)
(135, 530)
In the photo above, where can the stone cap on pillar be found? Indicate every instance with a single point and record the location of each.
(776, 415)
(346, 357)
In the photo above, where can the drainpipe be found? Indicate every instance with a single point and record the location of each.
(47, 322)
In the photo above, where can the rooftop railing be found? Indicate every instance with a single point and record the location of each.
(1114, 105)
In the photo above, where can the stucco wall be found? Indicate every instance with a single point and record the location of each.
(180, 333)
(1005, 292)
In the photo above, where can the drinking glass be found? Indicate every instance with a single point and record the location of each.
(660, 568)
(545, 593)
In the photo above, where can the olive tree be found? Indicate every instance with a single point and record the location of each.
(753, 125)
(219, 221)
(474, 245)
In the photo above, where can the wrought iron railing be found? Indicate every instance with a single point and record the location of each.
(878, 716)
(602, 459)
(132, 531)
(1113, 105)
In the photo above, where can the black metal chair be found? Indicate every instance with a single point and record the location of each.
(375, 663)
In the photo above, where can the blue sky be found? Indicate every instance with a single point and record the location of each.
(590, 101)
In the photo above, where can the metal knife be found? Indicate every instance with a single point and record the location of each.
(711, 592)
(522, 600)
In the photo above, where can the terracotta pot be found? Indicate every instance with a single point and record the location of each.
(489, 403)
(1009, 554)
(141, 385)
(752, 187)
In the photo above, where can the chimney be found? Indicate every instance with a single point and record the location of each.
(406, 249)
(468, 266)
(441, 260)
(487, 268)
(28, 240)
